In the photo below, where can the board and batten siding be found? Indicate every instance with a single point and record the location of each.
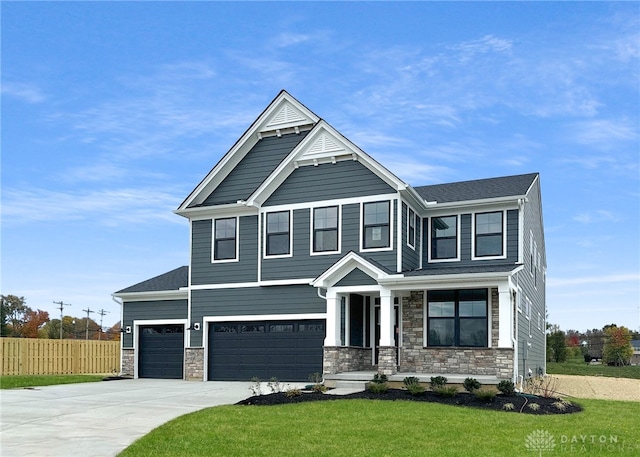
(253, 169)
(150, 310)
(344, 179)
(250, 301)
(204, 271)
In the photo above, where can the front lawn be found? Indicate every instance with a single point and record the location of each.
(578, 367)
(385, 428)
(18, 381)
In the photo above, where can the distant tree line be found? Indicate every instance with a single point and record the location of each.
(20, 321)
(611, 344)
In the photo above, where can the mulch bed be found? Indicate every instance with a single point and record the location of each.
(520, 403)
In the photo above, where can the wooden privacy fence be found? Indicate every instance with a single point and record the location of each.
(28, 356)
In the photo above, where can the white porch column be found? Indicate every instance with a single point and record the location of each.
(386, 318)
(332, 337)
(505, 316)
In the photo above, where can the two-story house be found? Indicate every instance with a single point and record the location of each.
(308, 256)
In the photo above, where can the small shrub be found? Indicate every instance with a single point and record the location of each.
(438, 382)
(559, 405)
(508, 406)
(587, 358)
(413, 386)
(507, 387)
(315, 378)
(319, 388)
(447, 392)
(533, 406)
(275, 386)
(471, 384)
(256, 387)
(379, 378)
(293, 392)
(485, 395)
(377, 387)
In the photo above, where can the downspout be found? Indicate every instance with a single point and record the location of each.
(113, 297)
(514, 337)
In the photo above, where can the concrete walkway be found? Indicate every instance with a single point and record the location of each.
(100, 419)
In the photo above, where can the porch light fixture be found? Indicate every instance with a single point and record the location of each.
(194, 326)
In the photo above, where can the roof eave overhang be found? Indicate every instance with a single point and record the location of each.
(346, 265)
(437, 281)
(208, 212)
(179, 294)
(509, 200)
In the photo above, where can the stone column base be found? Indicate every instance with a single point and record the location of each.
(128, 362)
(194, 364)
(387, 360)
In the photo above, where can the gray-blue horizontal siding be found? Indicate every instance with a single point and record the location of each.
(345, 179)
(304, 265)
(250, 301)
(410, 257)
(466, 245)
(356, 277)
(253, 169)
(150, 310)
(204, 271)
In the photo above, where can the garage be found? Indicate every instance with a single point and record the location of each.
(161, 351)
(287, 350)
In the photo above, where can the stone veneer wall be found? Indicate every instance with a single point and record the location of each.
(338, 359)
(194, 364)
(414, 357)
(128, 358)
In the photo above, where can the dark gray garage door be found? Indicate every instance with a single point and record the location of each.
(161, 351)
(287, 350)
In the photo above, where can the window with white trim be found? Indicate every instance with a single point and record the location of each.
(444, 237)
(278, 240)
(457, 318)
(325, 229)
(225, 239)
(376, 224)
(411, 228)
(489, 234)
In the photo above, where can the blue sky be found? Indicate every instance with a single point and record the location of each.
(112, 112)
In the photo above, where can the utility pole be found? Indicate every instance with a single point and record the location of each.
(86, 337)
(61, 307)
(102, 312)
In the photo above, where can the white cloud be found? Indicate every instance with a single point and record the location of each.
(106, 206)
(23, 91)
(601, 280)
(599, 215)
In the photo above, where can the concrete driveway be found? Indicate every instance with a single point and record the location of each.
(100, 418)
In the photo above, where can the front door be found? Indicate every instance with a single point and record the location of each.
(396, 332)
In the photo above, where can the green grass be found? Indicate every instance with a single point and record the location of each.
(578, 367)
(382, 428)
(19, 381)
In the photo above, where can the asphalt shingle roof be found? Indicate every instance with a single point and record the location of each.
(172, 280)
(454, 270)
(505, 186)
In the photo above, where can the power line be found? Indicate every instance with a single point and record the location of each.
(102, 312)
(87, 331)
(61, 307)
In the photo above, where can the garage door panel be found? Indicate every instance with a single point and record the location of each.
(161, 351)
(287, 350)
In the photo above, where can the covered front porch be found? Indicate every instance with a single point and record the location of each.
(456, 326)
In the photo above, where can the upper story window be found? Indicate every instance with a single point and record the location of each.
(278, 239)
(489, 234)
(325, 229)
(225, 239)
(412, 223)
(444, 238)
(376, 225)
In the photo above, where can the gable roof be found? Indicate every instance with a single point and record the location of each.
(170, 281)
(478, 189)
(283, 115)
